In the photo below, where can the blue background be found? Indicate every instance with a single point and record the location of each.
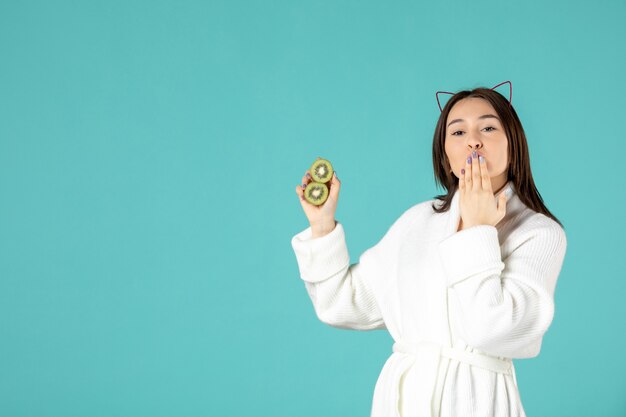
(149, 154)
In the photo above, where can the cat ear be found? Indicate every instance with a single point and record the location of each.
(493, 88)
(510, 90)
(437, 95)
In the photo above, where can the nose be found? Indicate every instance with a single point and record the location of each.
(473, 143)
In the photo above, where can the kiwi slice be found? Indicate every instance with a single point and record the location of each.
(316, 193)
(321, 171)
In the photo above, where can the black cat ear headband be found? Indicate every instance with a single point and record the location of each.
(493, 88)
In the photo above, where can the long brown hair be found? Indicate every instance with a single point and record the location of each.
(519, 163)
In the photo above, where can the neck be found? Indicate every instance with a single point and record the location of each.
(499, 189)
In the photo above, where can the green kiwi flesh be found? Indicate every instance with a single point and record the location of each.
(321, 171)
(316, 193)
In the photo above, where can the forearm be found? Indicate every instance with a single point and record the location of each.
(322, 228)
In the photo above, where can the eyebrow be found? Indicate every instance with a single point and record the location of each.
(484, 116)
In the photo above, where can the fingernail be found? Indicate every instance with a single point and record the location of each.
(303, 185)
(480, 158)
(463, 171)
(473, 154)
(308, 175)
(469, 160)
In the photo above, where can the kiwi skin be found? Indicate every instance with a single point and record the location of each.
(321, 171)
(316, 193)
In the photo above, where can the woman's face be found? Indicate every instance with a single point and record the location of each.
(468, 129)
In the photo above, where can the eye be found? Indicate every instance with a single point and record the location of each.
(488, 127)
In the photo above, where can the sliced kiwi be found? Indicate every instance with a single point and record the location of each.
(321, 171)
(316, 193)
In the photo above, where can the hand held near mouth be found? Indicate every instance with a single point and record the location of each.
(477, 203)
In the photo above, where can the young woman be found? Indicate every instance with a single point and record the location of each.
(464, 283)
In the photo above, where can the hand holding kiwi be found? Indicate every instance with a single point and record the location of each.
(318, 194)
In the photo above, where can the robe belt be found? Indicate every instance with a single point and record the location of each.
(429, 355)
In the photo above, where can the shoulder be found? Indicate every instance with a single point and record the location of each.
(416, 211)
(422, 213)
(405, 220)
(531, 224)
(411, 218)
(538, 221)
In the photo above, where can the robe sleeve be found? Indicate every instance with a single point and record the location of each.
(504, 306)
(343, 294)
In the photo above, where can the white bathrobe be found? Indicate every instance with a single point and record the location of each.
(459, 305)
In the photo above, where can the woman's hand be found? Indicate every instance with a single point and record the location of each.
(322, 217)
(477, 204)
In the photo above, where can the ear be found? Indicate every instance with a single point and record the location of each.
(510, 89)
(437, 95)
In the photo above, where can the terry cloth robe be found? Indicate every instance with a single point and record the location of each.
(459, 305)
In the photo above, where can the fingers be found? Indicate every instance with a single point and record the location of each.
(466, 176)
(476, 175)
(462, 178)
(335, 185)
(484, 174)
(306, 178)
(300, 192)
(476, 182)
